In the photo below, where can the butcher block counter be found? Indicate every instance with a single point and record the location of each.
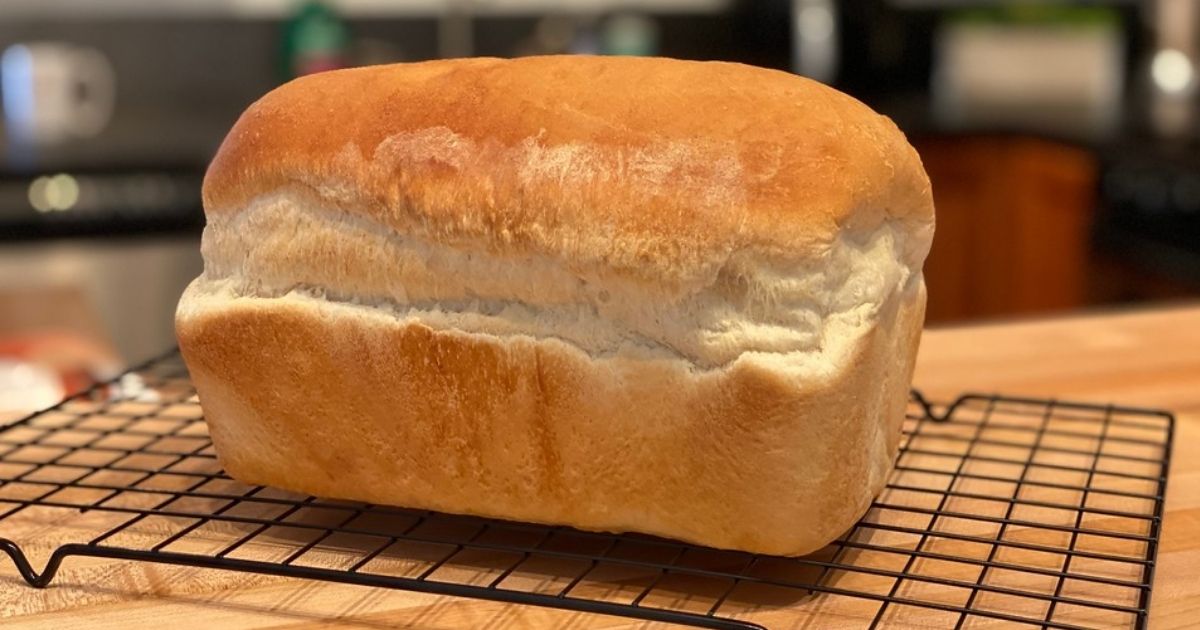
(1142, 358)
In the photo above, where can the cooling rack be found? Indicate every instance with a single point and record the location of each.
(1000, 509)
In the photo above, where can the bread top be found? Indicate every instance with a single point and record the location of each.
(649, 207)
(655, 169)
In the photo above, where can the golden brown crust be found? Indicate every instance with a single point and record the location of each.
(673, 162)
(620, 294)
(301, 394)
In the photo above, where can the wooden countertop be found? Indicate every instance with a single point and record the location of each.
(1139, 358)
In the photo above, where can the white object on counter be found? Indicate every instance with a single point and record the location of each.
(27, 387)
(132, 387)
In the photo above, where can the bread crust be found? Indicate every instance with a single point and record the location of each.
(322, 398)
(620, 294)
(678, 162)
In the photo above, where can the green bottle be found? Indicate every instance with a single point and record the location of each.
(314, 40)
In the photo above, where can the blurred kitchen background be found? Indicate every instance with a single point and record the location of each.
(1061, 137)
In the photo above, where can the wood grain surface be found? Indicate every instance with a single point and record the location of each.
(1139, 358)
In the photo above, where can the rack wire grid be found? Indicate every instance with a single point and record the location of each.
(1000, 510)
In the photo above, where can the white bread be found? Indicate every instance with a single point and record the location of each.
(621, 294)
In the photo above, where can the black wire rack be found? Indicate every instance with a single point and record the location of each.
(1000, 509)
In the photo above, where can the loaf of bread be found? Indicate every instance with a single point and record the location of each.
(620, 294)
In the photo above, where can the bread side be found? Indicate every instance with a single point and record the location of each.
(752, 302)
(343, 400)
